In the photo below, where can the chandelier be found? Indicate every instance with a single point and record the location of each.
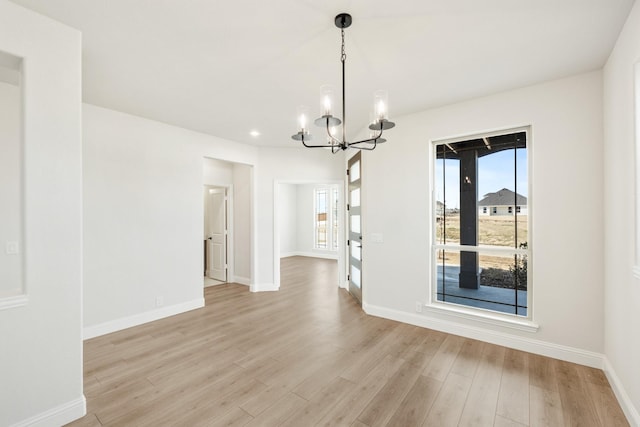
(379, 123)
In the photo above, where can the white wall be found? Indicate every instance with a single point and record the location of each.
(285, 164)
(243, 214)
(622, 290)
(41, 341)
(305, 239)
(288, 219)
(566, 147)
(143, 213)
(10, 188)
(217, 172)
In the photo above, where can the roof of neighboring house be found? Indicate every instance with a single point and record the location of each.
(503, 197)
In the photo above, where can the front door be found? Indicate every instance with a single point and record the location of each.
(217, 230)
(354, 178)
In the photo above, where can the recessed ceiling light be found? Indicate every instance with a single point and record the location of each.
(254, 133)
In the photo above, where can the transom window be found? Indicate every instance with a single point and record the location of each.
(480, 259)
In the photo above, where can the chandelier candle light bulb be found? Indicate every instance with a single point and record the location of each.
(303, 119)
(380, 102)
(326, 98)
(329, 122)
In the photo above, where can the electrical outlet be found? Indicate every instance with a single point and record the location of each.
(418, 307)
(159, 301)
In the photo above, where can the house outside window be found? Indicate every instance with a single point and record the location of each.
(481, 261)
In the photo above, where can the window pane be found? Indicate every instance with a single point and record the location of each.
(491, 285)
(522, 212)
(355, 197)
(447, 196)
(354, 172)
(321, 218)
(356, 250)
(496, 184)
(355, 276)
(355, 223)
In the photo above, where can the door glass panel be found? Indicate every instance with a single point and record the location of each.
(355, 197)
(355, 223)
(354, 172)
(355, 276)
(356, 250)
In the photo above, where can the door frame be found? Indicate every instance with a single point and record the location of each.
(230, 248)
(276, 229)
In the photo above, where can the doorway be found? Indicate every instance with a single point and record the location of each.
(308, 223)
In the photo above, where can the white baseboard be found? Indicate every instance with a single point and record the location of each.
(556, 351)
(310, 255)
(139, 319)
(626, 404)
(58, 416)
(264, 287)
(242, 280)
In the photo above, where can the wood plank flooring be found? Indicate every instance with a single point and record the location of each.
(307, 355)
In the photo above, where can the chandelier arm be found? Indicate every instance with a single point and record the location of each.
(373, 140)
(366, 148)
(312, 146)
(333, 139)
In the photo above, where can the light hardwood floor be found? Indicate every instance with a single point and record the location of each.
(307, 355)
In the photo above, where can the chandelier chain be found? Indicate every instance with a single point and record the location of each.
(343, 56)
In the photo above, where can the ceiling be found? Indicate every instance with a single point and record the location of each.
(226, 68)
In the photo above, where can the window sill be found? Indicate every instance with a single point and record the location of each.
(489, 318)
(13, 302)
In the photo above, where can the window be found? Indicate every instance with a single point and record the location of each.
(326, 218)
(482, 261)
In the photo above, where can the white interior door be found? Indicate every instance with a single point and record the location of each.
(217, 238)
